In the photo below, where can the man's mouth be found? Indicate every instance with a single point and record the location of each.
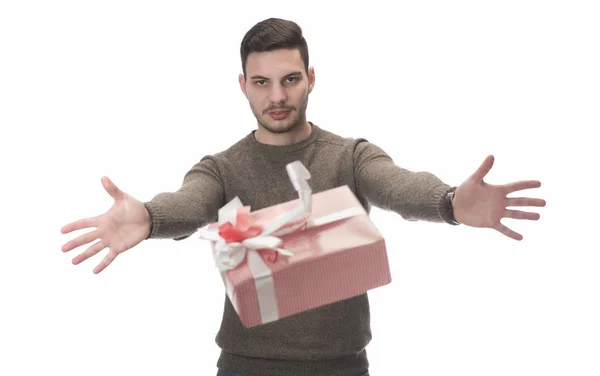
(278, 114)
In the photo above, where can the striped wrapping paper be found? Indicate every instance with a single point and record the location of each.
(330, 262)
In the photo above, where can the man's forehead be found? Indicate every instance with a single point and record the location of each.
(278, 63)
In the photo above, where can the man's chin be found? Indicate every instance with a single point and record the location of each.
(279, 127)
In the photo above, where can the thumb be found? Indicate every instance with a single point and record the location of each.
(111, 188)
(484, 168)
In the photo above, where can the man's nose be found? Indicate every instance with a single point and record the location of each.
(277, 94)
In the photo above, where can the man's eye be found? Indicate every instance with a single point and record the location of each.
(261, 82)
(292, 79)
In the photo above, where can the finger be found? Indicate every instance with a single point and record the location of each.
(525, 201)
(111, 188)
(508, 232)
(91, 251)
(521, 185)
(79, 224)
(81, 240)
(108, 259)
(518, 214)
(484, 168)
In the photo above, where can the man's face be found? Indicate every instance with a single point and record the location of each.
(277, 88)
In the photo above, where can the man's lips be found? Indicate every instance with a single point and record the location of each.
(278, 114)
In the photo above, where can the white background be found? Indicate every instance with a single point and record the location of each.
(141, 90)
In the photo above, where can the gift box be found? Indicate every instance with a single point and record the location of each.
(298, 255)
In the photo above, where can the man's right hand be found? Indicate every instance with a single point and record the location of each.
(122, 227)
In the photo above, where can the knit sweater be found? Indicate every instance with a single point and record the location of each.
(329, 340)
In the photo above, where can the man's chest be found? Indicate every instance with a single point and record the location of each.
(271, 185)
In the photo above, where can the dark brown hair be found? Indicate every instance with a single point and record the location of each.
(273, 34)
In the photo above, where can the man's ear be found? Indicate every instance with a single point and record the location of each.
(242, 81)
(311, 79)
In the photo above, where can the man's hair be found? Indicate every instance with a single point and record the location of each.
(273, 34)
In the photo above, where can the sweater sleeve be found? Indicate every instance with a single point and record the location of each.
(414, 195)
(177, 215)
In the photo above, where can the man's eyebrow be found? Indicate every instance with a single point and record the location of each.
(257, 77)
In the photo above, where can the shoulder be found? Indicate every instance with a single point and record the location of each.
(359, 147)
(328, 138)
(216, 163)
(231, 153)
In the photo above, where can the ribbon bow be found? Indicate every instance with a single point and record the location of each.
(236, 236)
(241, 230)
(241, 235)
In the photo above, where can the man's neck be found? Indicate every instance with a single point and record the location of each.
(289, 138)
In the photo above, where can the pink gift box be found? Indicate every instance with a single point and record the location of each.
(329, 262)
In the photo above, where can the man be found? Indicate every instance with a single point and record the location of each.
(277, 81)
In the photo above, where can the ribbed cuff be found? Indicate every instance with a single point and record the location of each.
(445, 210)
(156, 219)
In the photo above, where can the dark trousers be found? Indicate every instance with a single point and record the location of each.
(225, 373)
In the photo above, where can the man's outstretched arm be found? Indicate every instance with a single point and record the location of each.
(423, 196)
(415, 195)
(177, 215)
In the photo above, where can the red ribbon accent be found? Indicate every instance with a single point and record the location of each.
(242, 230)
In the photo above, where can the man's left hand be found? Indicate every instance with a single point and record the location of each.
(479, 204)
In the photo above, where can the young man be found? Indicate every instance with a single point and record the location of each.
(277, 81)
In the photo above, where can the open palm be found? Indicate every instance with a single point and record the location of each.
(122, 227)
(479, 204)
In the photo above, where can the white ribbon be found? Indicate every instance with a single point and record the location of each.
(228, 256)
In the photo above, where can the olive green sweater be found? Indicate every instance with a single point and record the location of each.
(330, 340)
